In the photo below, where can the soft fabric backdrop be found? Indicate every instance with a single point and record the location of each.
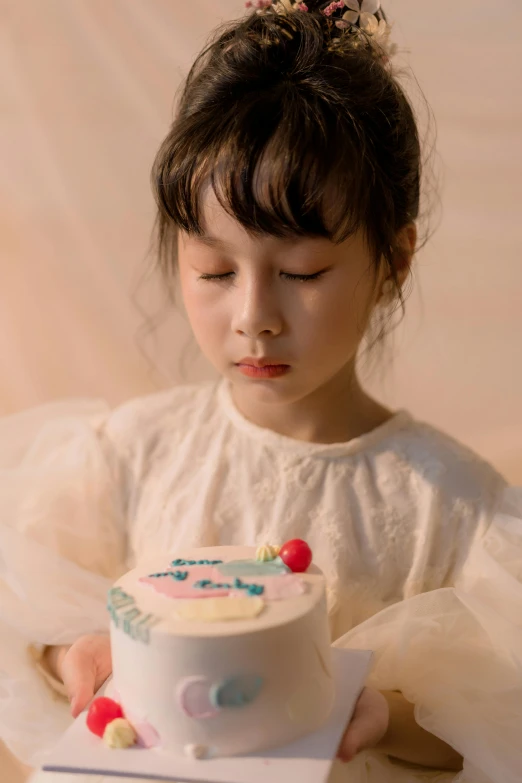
(86, 95)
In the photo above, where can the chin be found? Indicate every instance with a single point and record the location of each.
(283, 391)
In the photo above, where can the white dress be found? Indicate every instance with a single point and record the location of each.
(420, 540)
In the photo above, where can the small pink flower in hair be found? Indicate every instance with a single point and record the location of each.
(259, 4)
(301, 7)
(362, 11)
(329, 10)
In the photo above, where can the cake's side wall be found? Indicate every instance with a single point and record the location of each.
(292, 662)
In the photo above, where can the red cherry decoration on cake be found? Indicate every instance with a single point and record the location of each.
(296, 554)
(101, 712)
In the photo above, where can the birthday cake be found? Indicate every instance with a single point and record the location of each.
(218, 652)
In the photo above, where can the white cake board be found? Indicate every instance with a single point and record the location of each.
(308, 760)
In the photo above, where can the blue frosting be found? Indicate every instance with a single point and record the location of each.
(274, 567)
(179, 576)
(181, 562)
(132, 621)
(237, 584)
(236, 691)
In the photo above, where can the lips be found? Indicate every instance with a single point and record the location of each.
(263, 373)
(260, 363)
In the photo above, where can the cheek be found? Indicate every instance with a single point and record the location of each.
(337, 316)
(205, 309)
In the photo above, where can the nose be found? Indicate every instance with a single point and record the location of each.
(257, 311)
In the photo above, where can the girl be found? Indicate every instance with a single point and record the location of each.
(288, 193)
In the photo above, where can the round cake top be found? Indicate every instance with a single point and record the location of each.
(212, 591)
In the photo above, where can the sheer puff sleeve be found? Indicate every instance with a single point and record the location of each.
(456, 653)
(63, 489)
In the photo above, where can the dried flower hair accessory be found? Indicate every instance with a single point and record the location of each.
(363, 21)
(259, 4)
(366, 17)
(361, 12)
(285, 5)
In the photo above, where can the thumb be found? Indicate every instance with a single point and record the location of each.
(356, 736)
(368, 726)
(352, 741)
(79, 675)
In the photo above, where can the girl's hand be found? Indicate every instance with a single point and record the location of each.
(83, 668)
(368, 726)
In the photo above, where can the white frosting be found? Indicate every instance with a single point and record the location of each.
(287, 646)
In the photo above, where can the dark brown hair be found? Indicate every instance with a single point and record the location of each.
(297, 134)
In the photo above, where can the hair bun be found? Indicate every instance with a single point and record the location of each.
(346, 24)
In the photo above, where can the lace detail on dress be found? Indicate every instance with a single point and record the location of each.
(396, 513)
(393, 512)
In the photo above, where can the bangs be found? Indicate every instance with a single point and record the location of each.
(282, 164)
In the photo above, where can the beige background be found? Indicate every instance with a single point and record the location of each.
(86, 90)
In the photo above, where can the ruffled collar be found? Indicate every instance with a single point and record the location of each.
(279, 442)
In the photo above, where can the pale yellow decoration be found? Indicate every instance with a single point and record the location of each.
(267, 552)
(214, 610)
(196, 751)
(119, 734)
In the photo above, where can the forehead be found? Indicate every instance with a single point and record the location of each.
(218, 221)
(223, 233)
(220, 229)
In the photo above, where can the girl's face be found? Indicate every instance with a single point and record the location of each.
(298, 306)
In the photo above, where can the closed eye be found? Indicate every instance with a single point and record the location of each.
(225, 276)
(284, 275)
(302, 278)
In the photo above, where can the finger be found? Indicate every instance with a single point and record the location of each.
(356, 737)
(368, 725)
(349, 746)
(84, 691)
(79, 679)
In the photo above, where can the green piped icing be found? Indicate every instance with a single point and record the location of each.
(179, 576)
(181, 562)
(126, 616)
(251, 589)
(238, 568)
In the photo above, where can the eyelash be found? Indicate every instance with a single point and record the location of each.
(286, 275)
